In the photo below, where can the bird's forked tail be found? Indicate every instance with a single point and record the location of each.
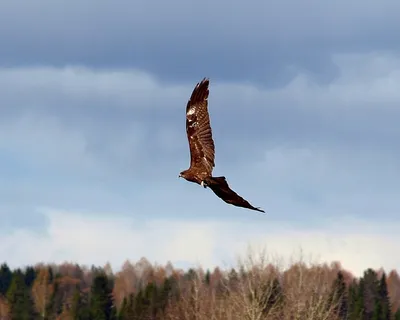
(220, 187)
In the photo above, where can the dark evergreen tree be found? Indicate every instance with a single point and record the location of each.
(190, 274)
(29, 276)
(397, 315)
(54, 307)
(123, 309)
(371, 287)
(139, 305)
(382, 309)
(127, 311)
(5, 278)
(146, 302)
(356, 300)
(208, 277)
(51, 274)
(233, 279)
(339, 297)
(19, 297)
(168, 291)
(79, 308)
(268, 295)
(101, 301)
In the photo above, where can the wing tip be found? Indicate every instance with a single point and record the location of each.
(204, 83)
(200, 91)
(204, 80)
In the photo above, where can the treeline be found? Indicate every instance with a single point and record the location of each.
(255, 289)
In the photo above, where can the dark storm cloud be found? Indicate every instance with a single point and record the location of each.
(177, 40)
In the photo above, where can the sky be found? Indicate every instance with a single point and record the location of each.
(304, 106)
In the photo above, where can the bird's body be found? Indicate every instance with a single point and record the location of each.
(202, 149)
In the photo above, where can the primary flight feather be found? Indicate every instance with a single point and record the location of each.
(202, 149)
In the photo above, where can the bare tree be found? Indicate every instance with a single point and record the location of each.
(308, 293)
(255, 292)
(393, 284)
(125, 283)
(4, 309)
(42, 290)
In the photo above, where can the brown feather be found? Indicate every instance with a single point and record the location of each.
(220, 187)
(202, 149)
(198, 129)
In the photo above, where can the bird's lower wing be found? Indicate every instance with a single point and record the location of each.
(220, 187)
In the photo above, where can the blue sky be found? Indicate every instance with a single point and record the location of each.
(304, 105)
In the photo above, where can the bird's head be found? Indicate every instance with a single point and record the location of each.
(182, 174)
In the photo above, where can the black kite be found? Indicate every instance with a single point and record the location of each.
(202, 149)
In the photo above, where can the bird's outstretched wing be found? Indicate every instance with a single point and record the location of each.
(220, 187)
(198, 129)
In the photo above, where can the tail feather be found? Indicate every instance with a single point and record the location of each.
(219, 180)
(220, 187)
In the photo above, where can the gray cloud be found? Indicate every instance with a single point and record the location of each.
(304, 107)
(176, 41)
(98, 140)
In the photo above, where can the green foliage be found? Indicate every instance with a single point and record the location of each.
(371, 284)
(149, 302)
(29, 276)
(101, 302)
(168, 291)
(208, 277)
(397, 315)
(127, 311)
(369, 299)
(55, 305)
(5, 278)
(190, 274)
(356, 300)
(79, 306)
(382, 310)
(19, 298)
(81, 294)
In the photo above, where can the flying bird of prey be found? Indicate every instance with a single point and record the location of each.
(202, 149)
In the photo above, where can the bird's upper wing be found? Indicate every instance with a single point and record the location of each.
(198, 129)
(220, 187)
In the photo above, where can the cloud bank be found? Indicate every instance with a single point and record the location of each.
(89, 239)
(304, 106)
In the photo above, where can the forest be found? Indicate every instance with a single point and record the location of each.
(256, 288)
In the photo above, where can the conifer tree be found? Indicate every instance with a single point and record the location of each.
(101, 301)
(208, 277)
(18, 295)
(127, 311)
(397, 315)
(29, 276)
(382, 309)
(356, 300)
(339, 297)
(143, 304)
(5, 278)
(79, 306)
(371, 286)
(123, 309)
(54, 306)
(166, 293)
